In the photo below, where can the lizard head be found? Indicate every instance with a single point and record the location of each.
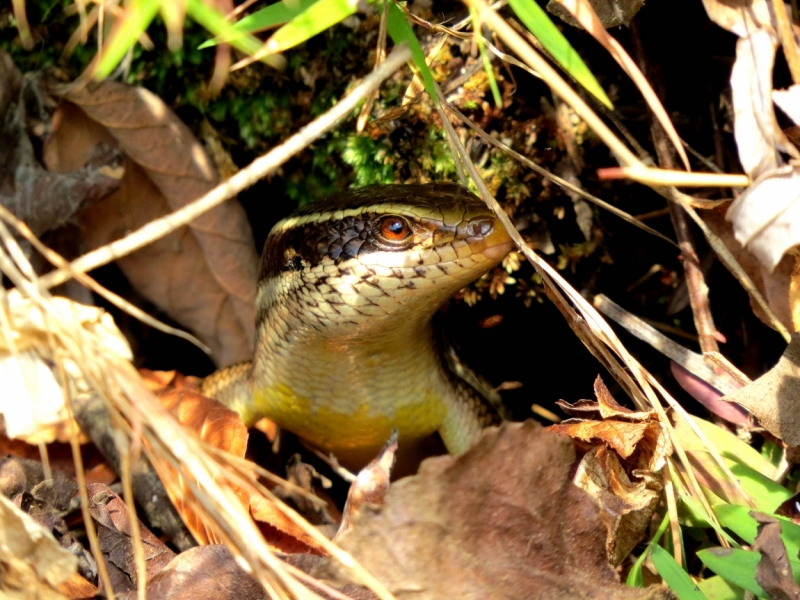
(373, 254)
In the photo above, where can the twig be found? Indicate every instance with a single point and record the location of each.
(259, 168)
(695, 280)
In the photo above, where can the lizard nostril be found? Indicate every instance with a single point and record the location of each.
(479, 227)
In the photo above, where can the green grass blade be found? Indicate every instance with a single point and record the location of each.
(487, 66)
(138, 17)
(315, 19)
(400, 31)
(635, 577)
(266, 18)
(734, 565)
(738, 520)
(716, 588)
(215, 22)
(674, 576)
(540, 25)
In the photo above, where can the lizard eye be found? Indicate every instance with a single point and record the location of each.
(393, 228)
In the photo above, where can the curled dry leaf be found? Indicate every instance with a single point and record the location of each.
(116, 543)
(501, 521)
(204, 275)
(623, 452)
(764, 217)
(32, 402)
(34, 565)
(223, 429)
(774, 398)
(371, 485)
(780, 286)
(773, 573)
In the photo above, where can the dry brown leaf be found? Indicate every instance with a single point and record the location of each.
(775, 286)
(33, 402)
(222, 428)
(78, 588)
(774, 398)
(34, 564)
(114, 533)
(204, 276)
(501, 521)
(216, 425)
(773, 573)
(203, 572)
(764, 217)
(370, 486)
(624, 482)
(156, 381)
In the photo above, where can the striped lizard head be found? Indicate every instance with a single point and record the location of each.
(376, 253)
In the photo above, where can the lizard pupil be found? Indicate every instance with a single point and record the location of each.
(394, 228)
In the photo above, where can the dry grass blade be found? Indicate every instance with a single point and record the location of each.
(655, 177)
(243, 179)
(586, 16)
(591, 328)
(560, 87)
(60, 262)
(556, 179)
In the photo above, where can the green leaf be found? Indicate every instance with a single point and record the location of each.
(728, 445)
(139, 15)
(216, 23)
(540, 25)
(400, 31)
(266, 18)
(716, 588)
(318, 17)
(738, 520)
(734, 565)
(766, 494)
(675, 577)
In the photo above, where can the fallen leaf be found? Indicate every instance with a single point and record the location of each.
(624, 450)
(370, 486)
(223, 429)
(202, 572)
(780, 286)
(114, 533)
(78, 588)
(774, 573)
(774, 398)
(34, 564)
(766, 217)
(758, 136)
(33, 401)
(43, 199)
(502, 520)
(788, 101)
(203, 275)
